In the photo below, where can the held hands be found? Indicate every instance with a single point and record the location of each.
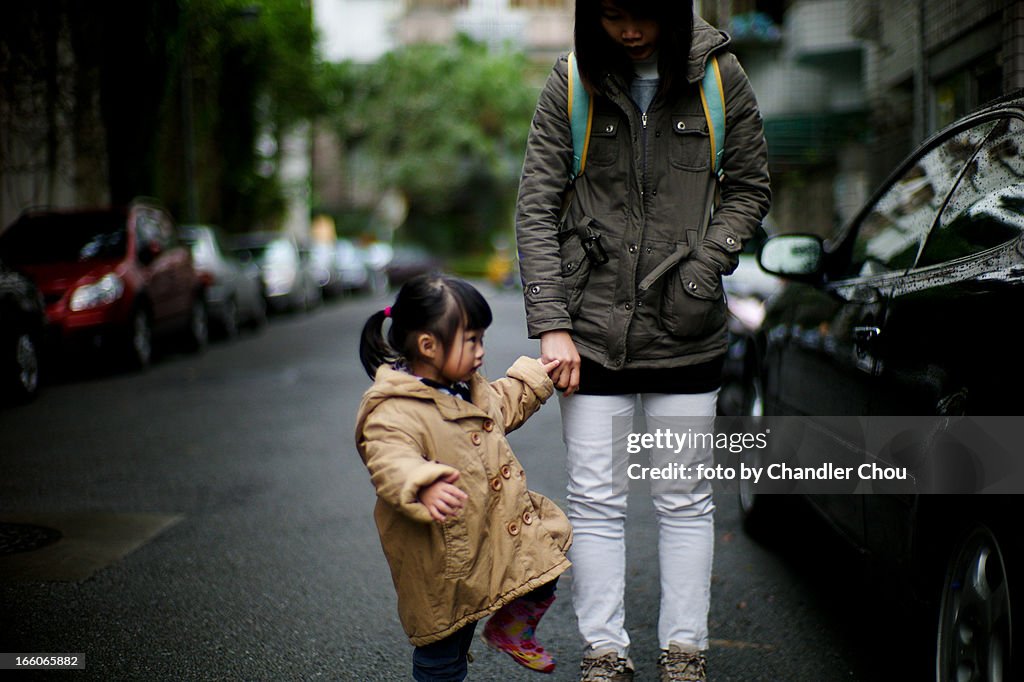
(557, 346)
(442, 498)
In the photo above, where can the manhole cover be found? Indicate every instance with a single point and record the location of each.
(24, 537)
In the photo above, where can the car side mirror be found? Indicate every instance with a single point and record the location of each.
(796, 256)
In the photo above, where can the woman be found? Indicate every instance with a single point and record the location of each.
(623, 287)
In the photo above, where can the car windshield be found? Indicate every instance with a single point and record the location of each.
(40, 240)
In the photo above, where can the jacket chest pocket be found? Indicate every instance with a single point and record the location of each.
(691, 145)
(603, 149)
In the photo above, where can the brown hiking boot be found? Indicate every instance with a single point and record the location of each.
(678, 664)
(605, 666)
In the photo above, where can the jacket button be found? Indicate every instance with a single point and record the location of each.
(527, 518)
(569, 267)
(476, 438)
(520, 474)
(633, 248)
(506, 471)
(488, 425)
(535, 289)
(495, 484)
(692, 285)
(609, 128)
(681, 125)
(730, 241)
(628, 306)
(513, 528)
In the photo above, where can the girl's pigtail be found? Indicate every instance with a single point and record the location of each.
(374, 350)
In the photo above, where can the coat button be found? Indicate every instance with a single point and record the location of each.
(730, 241)
(495, 484)
(633, 248)
(527, 518)
(513, 528)
(609, 128)
(692, 285)
(488, 425)
(520, 474)
(681, 125)
(535, 289)
(506, 471)
(629, 306)
(475, 438)
(569, 267)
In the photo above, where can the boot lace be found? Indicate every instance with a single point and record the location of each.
(683, 666)
(602, 668)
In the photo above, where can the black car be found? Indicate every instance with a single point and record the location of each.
(907, 315)
(22, 321)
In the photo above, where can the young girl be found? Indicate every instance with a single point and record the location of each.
(463, 536)
(648, 319)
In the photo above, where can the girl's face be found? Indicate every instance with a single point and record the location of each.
(639, 37)
(465, 356)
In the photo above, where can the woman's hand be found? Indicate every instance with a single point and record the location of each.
(558, 345)
(442, 498)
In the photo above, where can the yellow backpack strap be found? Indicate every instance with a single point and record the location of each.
(712, 98)
(581, 116)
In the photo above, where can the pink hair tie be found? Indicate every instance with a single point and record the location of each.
(387, 311)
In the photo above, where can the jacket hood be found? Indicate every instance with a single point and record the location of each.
(706, 40)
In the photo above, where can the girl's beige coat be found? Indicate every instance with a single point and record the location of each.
(505, 542)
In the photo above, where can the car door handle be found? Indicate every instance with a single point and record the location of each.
(865, 336)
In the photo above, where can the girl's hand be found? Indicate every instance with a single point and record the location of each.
(558, 345)
(549, 367)
(442, 498)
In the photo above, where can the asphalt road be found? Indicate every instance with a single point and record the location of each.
(217, 525)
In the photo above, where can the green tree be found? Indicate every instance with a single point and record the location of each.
(444, 124)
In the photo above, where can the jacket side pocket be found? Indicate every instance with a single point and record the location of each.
(575, 270)
(693, 303)
(456, 547)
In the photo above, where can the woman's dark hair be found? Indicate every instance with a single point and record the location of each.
(436, 304)
(598, 55)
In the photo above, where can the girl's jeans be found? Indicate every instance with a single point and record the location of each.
(445, 660)
(598, 487)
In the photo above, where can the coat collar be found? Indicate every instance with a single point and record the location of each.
(391, 383)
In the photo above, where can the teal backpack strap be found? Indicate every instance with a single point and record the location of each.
(581, 115)
(712, 97)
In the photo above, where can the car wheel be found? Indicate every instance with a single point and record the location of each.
(21, 376)
(229, 322)
(140, 340)
(760, 512)
(975, 612)
(198, 332)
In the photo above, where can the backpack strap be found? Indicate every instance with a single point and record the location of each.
(581, 116)
(712, 98)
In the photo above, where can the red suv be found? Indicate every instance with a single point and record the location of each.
(111, 278)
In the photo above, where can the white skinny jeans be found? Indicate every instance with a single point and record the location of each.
(597, 495)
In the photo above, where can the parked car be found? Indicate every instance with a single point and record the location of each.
(408, 261)
(22, 321)
(908, 311)
(289, 283)
(234, 290)
(351, 271)
(111, 278)
(747, 290)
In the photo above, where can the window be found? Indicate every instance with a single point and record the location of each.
(987, 207)
(890, 236)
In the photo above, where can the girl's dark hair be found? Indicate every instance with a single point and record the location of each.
(598, 55)
(434, 303)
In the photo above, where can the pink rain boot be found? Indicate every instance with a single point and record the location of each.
(511, 631)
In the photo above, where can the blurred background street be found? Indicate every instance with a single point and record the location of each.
(271, 567)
